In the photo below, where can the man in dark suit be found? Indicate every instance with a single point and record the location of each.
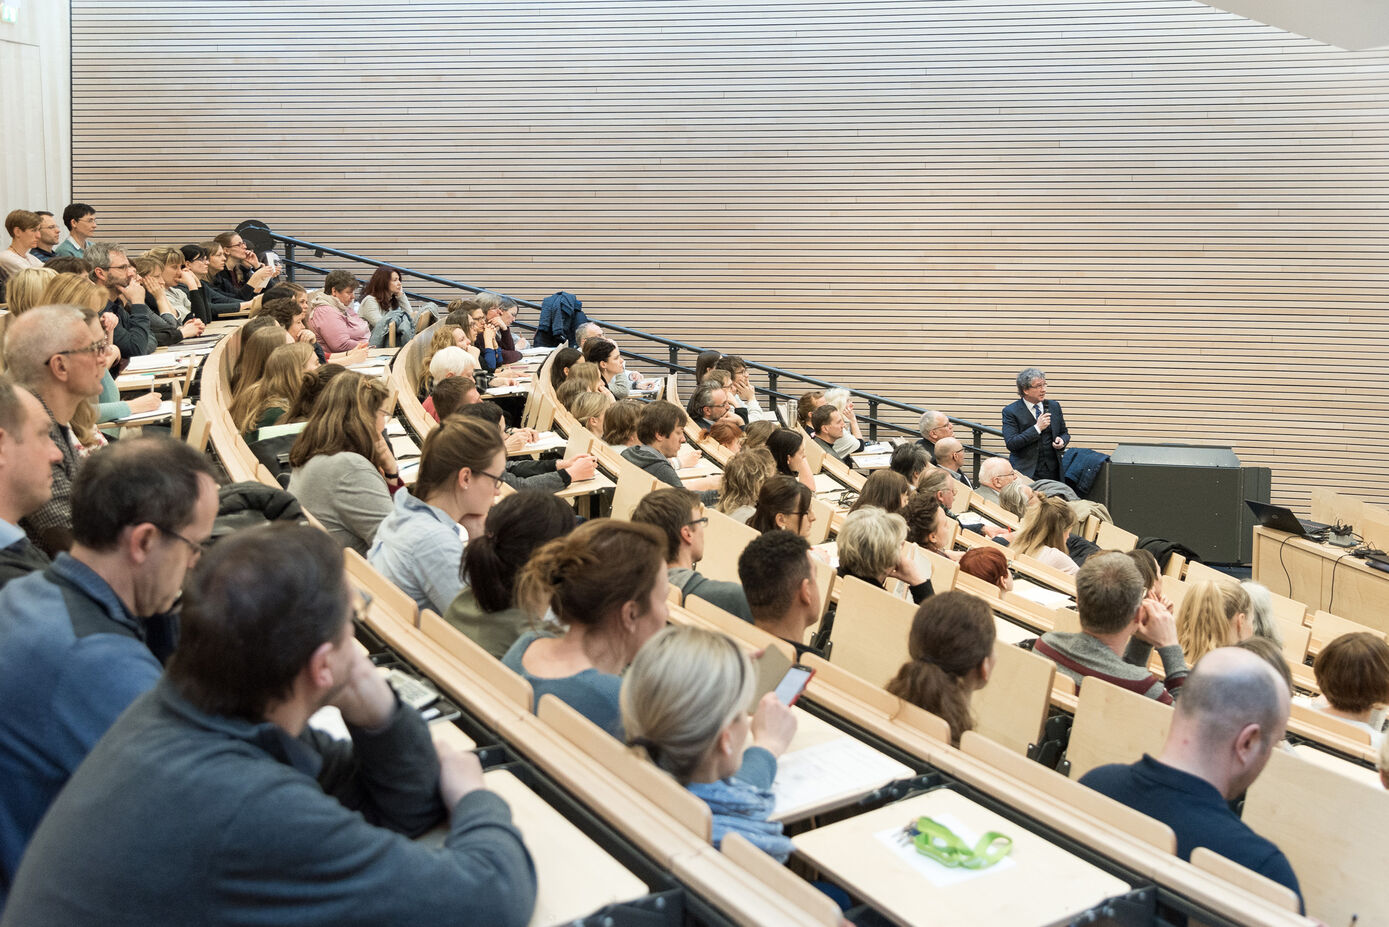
(1034, 429)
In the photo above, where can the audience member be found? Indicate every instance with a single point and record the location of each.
(994, 474)
(332, 318)
(586, 332)
(49, 233)
(679, 516)
(708, 404)
(661, 435)
(1015, 497)
(487, 609)
(741, 388)
(928, 525)
(1270, 653)
(306, 830)
(23, 228)
(757, 433)
(612, 368)
(776, 574)
(165, 323)
(704, 363)
(743, 478)
(934, 426)
(805, 408)
(260, 338)
(1034, 429)
(1118, 629)
(911, 461)
(851, 441)
(27, 456)
(620, 423)
(80, 220)
(950, 457)
(1261, 612)
(941, 486)
(590, 409)
(205, 262)
(264, 402)
(82, 638)
(242, 277)
(111, 268)
(886, 489)
(828, 425)
(606, 584)
(1042, 534)
(310, 388)
(547, 474)
(685, 702)
(873, 547)
(1212, 615)
(949, 655)
(419, 546)
(500, 312)
(384, 294)
(1352, 673)
(788, 452)
(24, 290)
(727, 435)
(451, 394)
(1233, 711)
(783, 503)
(565, 359)
(342, 470)
(59, 356)
(989, 564)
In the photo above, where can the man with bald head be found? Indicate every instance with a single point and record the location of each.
(950, 457)
(59, 354)
(994, 474)
(1232, 713)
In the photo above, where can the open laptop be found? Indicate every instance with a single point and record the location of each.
(1281, 519)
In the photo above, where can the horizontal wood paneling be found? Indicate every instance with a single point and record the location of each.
(1178, 213)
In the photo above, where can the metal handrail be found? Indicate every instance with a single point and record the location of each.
(774, 375)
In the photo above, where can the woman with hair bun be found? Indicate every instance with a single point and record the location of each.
(950, 649)
(488, 610)
(606, 583)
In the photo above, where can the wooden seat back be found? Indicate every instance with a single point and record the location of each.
(1207, 860)
(1114, 725)
(1326, 627)
(1198, 572)
(724, 541)
(1012, 707)
(1112, 537)
(870, 631)
(633, 483)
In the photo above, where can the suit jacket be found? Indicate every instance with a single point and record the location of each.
(1023, 441)
(962, 477)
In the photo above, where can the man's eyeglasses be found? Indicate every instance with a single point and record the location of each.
(96, 347)
(697, 521)
(197, 549)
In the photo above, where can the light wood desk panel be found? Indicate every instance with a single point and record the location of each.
(1304, 570)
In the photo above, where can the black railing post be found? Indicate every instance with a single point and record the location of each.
(289, 258)
(872, 421)
(674, 354)
(978, 441)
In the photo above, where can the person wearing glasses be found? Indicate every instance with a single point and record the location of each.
(80, 220)
(243, 276)
(708, 404)
(341, 467)
(133, 331)
(419, 545)
(81, 639)
(216, 781)
(59, 355)
(680, 517)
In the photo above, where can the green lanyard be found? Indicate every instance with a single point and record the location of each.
(940, 843)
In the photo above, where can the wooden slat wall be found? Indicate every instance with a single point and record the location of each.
(1178, 213)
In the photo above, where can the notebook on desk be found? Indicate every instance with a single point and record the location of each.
(1282, 519)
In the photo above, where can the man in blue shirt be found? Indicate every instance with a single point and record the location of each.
(1233, 711)
(82, 638)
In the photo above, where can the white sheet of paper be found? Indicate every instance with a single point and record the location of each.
(544, 441)
(507, 390)
(1042, 595)
(938, 875)
(840, 766)
(873, 461)
(165, 410)
(145, 363)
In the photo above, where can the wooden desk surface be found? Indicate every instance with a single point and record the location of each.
(1322, 577)
(824, 768)
(1038, 884)
(574, 874)
(586, 487)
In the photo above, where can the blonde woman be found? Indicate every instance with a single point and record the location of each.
(685, 702)
(1212, 615)
(265, 402)
(742, 482)
(1042, 534)
(591, 409)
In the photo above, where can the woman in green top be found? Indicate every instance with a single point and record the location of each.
(486, 610)
(265, 402)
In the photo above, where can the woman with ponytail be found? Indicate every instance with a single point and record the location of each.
(951, 647)
(419, 546)
(1212, 615)
(606, 583)
(487, 610)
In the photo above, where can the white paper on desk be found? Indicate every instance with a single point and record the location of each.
(395, 427)
(1041, 594)
(826, 483)
(546, 440)
(873, 461)
(843, 766)
(165, 410)
(970, 520)
(507, 390)
(882, 447)
(146, 363)
(535, 351)
(134, 380)
(938, 875)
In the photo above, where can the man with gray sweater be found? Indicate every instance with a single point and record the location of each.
(211, 801)
(1119, 628)
(680, 516)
